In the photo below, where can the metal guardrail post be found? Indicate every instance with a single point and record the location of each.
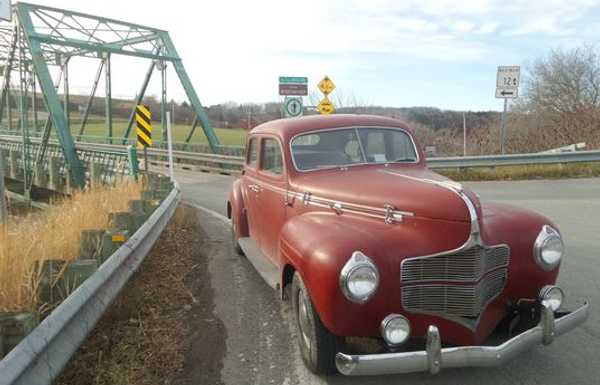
(134, 166)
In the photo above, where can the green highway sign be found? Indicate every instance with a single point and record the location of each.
(293, 80)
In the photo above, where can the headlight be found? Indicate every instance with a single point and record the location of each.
(395, 329)
(359, 278)
(548, 248)
(553, 296)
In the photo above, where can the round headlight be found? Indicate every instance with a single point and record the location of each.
(553, 296)
(359, 278)
(395, 329)
(548, 248)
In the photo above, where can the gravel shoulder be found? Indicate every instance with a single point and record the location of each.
(162, 328)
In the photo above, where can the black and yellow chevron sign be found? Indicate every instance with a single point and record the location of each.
(144, 126)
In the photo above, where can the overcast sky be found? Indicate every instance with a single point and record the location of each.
(441, 53)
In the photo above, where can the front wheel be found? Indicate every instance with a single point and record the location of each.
(317, 344)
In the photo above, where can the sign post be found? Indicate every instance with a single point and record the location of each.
(143, 118)
(507, 87)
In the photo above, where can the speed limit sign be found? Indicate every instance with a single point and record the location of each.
(292, 107)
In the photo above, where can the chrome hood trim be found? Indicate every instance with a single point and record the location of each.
(388, 213)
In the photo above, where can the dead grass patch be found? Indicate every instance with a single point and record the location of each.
(52, 234)
(550, 171)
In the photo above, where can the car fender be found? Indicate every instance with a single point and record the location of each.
(318, 245)
(236, 209)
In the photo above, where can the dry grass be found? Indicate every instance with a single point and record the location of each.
(52, 234)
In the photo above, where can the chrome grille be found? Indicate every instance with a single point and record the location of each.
(454, 300)
(463, 266)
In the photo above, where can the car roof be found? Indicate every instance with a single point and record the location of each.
(288, 128)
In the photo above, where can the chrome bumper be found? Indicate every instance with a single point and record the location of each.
(434, 358)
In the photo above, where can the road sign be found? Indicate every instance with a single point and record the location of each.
(292, 107)
(508, 77)
(5, 10)
(326, 85)
(144, 126)
(293, 80)
(290, 89)
(508, 93)
(325, 107)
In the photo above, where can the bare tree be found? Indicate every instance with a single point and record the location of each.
(563, 91)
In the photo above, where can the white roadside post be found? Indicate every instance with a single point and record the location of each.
(3, 210)
(170, 147)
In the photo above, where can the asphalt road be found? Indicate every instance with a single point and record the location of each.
(262, 350)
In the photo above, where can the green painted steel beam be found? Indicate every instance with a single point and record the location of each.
(51, 98)
(97, 47)
(213, 141)
(30, 6)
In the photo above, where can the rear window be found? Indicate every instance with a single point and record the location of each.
(252, 158)
(348, 146)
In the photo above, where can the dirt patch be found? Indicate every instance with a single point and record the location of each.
(161, 329)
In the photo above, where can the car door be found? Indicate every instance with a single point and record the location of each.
(271, 196)
(250, 189)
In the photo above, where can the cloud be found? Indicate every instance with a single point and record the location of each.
(462, 26)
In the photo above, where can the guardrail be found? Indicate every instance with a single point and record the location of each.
(228, 164)
(40, 357)
(513, 159)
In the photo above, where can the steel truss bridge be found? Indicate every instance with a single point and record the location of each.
(42, 37)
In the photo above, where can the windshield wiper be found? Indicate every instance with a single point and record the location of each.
(404, 160)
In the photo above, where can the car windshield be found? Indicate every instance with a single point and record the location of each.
(348, 146)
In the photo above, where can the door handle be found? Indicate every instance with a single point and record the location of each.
(254, 187)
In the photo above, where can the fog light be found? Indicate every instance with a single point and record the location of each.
(395, 329)
(553, 296)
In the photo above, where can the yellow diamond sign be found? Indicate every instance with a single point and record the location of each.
(326, 85)
(325, 107)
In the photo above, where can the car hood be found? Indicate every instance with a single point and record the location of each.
(414, 190)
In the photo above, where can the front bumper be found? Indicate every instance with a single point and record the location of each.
(434, 358)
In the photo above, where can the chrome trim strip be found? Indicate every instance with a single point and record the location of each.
(418, 158)
(459, 357)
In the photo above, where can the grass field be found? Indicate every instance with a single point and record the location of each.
(227, 136)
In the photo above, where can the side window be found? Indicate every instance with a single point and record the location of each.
(271, 157)
(252, 157)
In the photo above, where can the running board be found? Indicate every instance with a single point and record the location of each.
(267, 270)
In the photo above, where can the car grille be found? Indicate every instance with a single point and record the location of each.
(467, 265)
(454, 300)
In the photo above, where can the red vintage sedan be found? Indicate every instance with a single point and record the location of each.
(390, 267)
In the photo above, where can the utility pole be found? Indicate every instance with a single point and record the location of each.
(3, 209)
(464, 134)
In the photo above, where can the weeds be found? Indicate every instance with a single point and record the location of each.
(53, 234)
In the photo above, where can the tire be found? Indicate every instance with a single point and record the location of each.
(318, 345)
(234, 238)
